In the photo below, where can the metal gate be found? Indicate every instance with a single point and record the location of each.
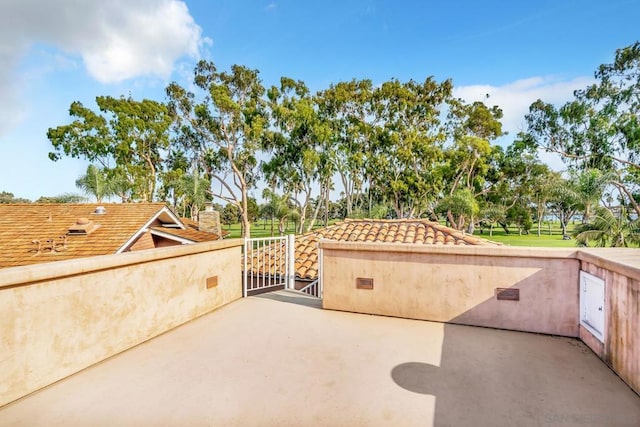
(269, 264)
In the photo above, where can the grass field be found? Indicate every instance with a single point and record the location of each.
(262, 229)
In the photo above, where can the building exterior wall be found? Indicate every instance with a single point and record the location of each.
(456, 284)
(145, 241)
(59, 318)
(621, 347)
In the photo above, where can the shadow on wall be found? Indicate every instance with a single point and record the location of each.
(506, 378)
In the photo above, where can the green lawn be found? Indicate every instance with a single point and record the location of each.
(532, 239)
(544, 240)
(262, 229)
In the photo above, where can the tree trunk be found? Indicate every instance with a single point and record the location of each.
(315, 212)
(539, 225)
(246, 225)
(452, 221)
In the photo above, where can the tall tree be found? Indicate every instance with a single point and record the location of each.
(222, 131)
(600, 127)
(298, 163)
(406, 143)
(346, 108)
(470, 157)
(126, 138)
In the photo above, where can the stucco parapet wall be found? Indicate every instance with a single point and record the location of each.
(490, 251)
(625, 261)
(27, 275)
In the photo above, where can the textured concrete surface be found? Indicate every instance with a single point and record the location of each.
(456, 284)
(80, 312)
(269, 361)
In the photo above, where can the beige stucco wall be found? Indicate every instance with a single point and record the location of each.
(621, 347)
(456, 284)
(62, 317)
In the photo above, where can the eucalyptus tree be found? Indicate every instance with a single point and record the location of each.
(297, 144)
(126, 138)
(222, 129)
(407, 135)
(470, 160)
(600, 127)
(565, 202)
(345, 109)
(542, 192)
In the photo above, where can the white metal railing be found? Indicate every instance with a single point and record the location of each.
(267, 263)
(311, 289)
(315, 288)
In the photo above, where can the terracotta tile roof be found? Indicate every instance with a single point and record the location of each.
(416, 231)
(20, 224)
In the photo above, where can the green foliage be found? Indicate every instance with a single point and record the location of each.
(6, 197)
(221, 132)
(520, 215)
(599, 128)
(461, 205)
(609, 230)
(297, 145)
(125, 138)
(279, 208)
(96, 183)
(62, 198)
(230, 214)
(406, 143)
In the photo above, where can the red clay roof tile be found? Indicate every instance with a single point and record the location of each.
(417, 231)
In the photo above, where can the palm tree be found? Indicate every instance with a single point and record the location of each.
(609, 230)
(96, 183)
(278, 207)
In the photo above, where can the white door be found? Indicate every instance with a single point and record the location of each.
(592, 308)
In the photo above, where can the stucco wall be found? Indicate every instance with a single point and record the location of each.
(62, 317)
(456, 284)
(621, 348)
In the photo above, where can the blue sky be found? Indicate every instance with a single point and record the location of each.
(56, 52)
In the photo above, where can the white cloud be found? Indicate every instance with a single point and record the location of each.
(516, 97)
(116, 39)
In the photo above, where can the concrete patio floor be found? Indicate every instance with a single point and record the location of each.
(271, 361)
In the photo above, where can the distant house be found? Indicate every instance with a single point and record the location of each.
(415, 231)
(37, 233)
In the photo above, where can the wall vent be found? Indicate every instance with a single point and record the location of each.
(364, 283)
